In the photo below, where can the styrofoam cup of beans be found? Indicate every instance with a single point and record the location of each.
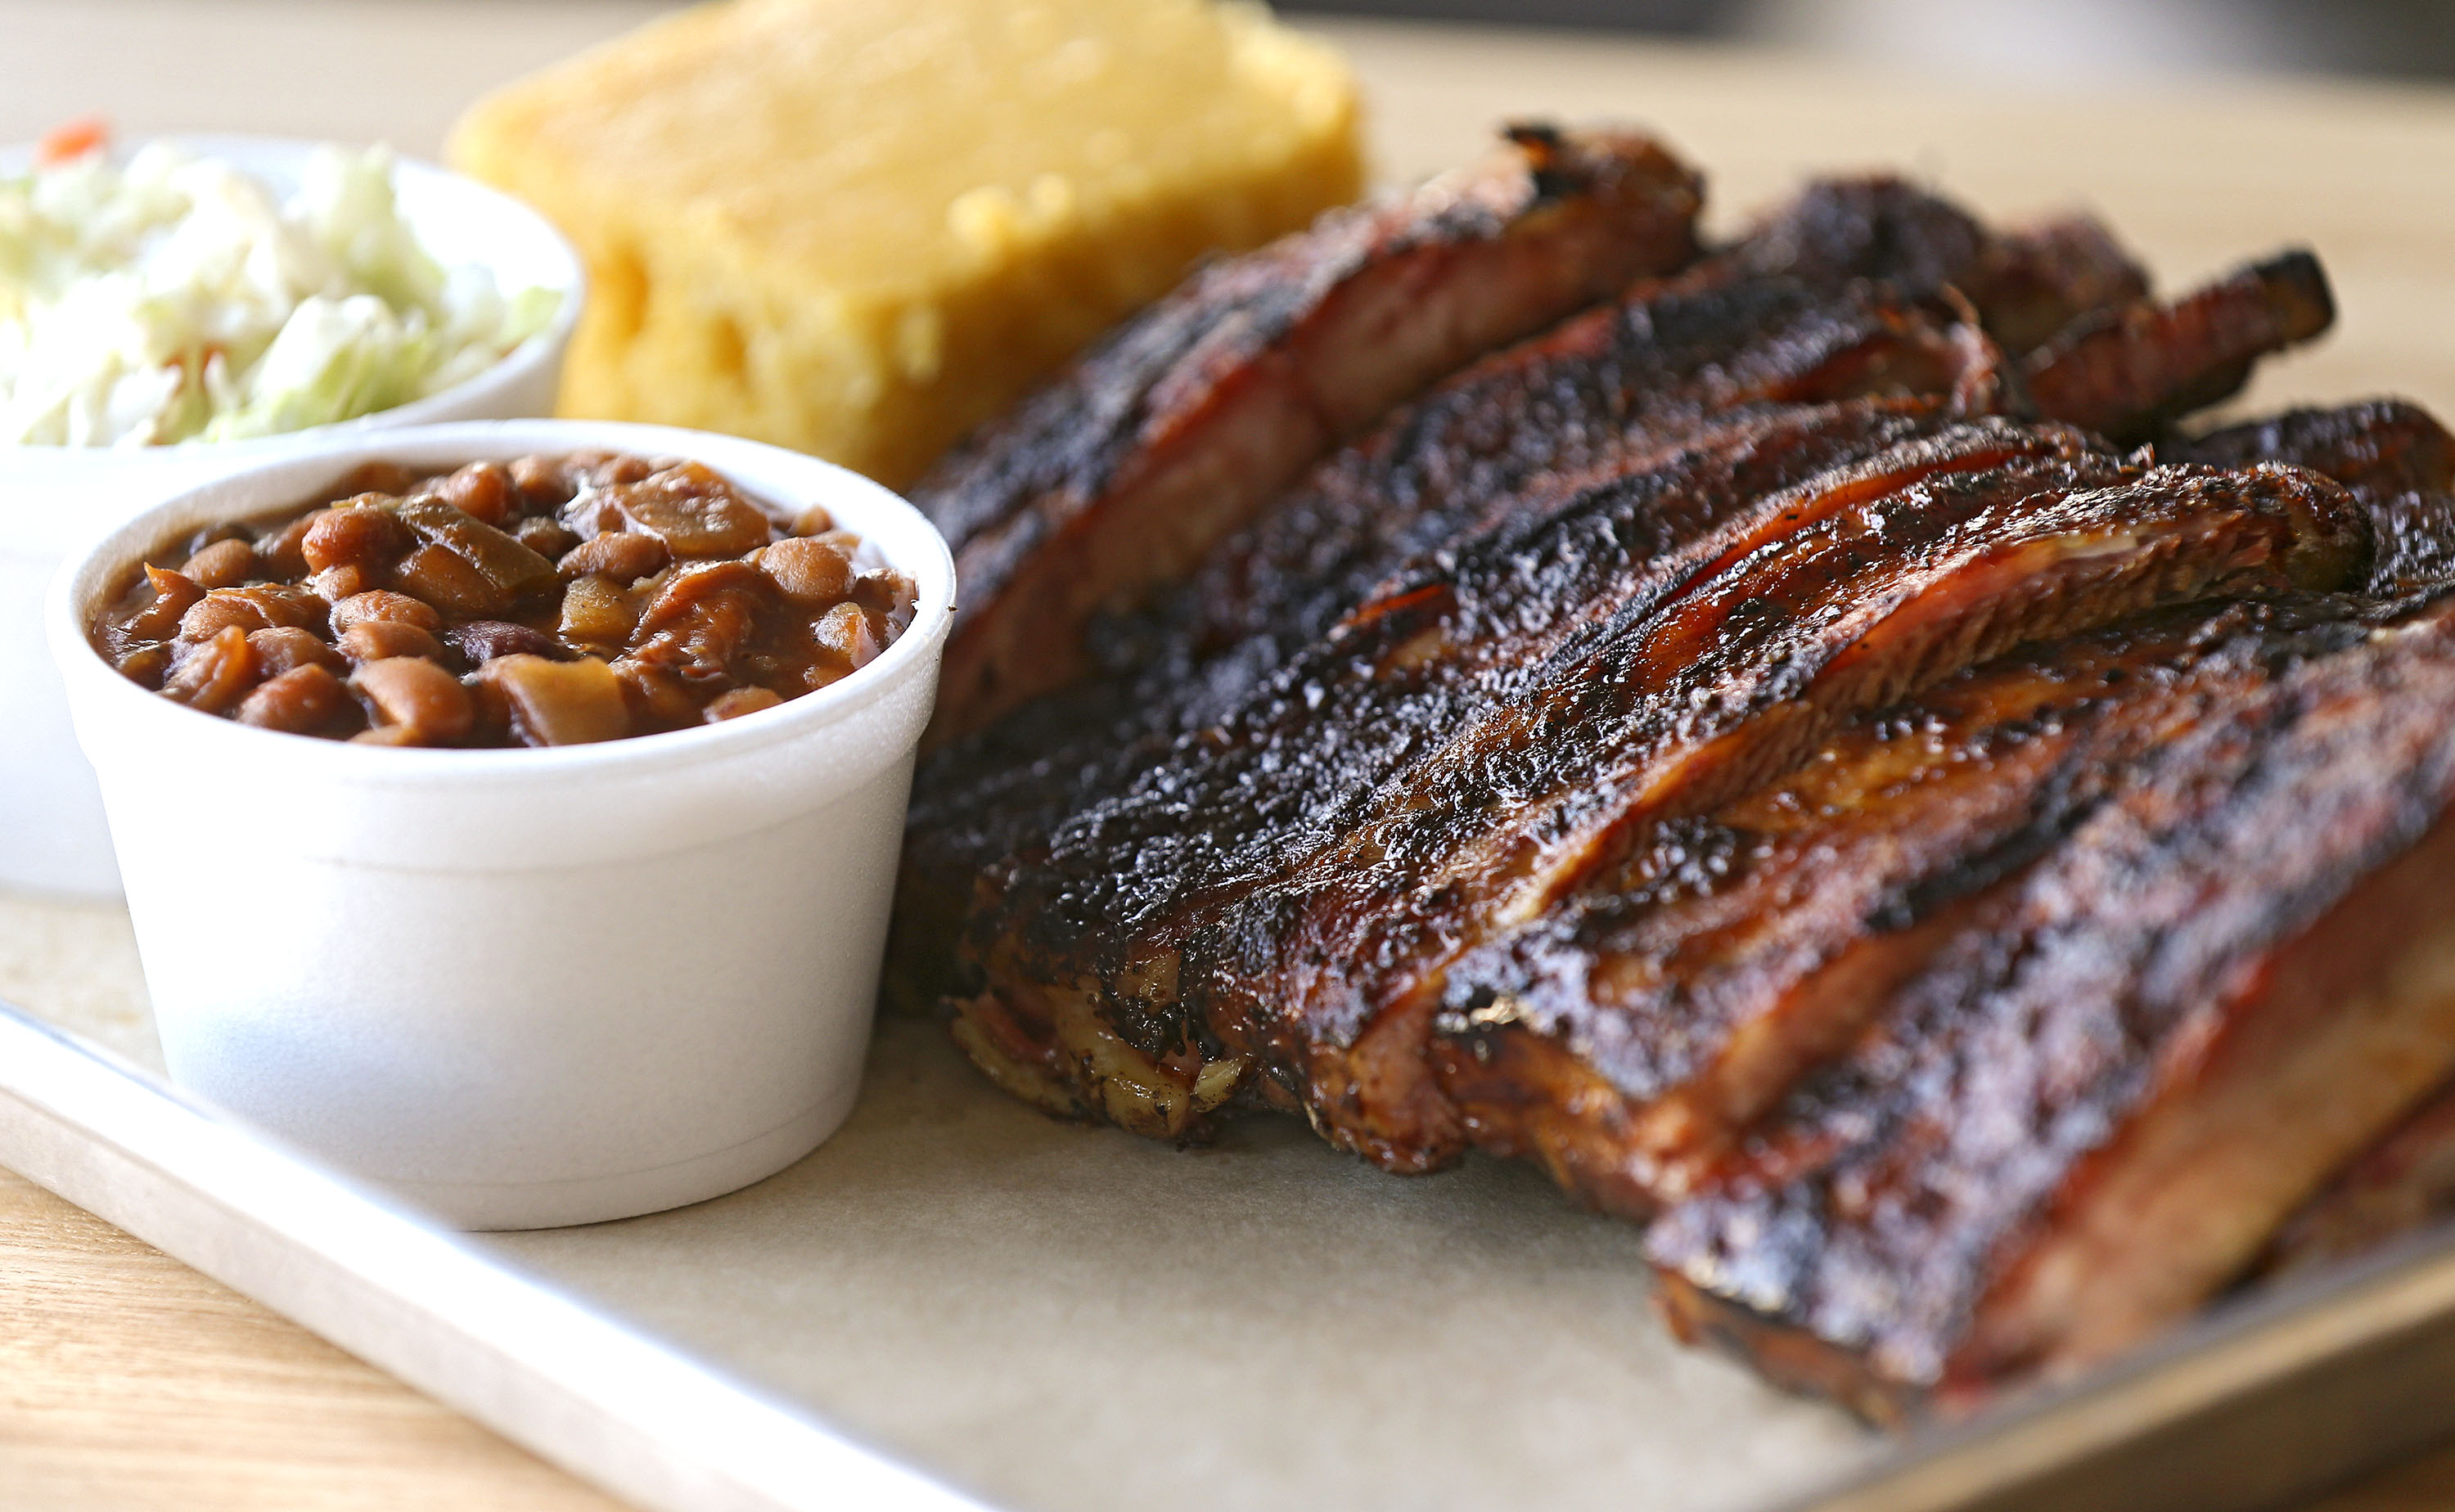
(532, 986)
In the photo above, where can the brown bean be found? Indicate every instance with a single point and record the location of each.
(623, 557)
(592, 512)
(811, 573)
(417, 694)
(147, 665)
(543, 480)
(694, 585)
(157, 617)
(376, 639)
(394, 735)
(706, 644)
(597, 612)
(813, 521)
(355, 536)
(610, 469)
(447, 580)
(545, 535)
(215, 612)
(657, 690)
(889, 594)
(301, 700)
(255, 608)
(741, 701)
(696, 512)
(226, 563)
(285, 648)
(560, 702)
(213, 536)
(848, 633)
(481, 640)
(380, 603)
(213, 673)
(883, 590)
(482, 491)
(490, 722)
(336, 583)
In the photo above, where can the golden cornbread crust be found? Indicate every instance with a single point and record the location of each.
(860, 229)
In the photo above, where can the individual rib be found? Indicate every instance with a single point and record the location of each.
(2393, 456)
(1183, 421)
(2128, 371)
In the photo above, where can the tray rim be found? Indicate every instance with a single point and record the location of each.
(567, 1380)
(2258, 1399)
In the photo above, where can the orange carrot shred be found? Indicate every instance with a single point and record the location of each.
(70, 140)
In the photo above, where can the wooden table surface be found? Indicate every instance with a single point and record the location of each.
(128, 1381)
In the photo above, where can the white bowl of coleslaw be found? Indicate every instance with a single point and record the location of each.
(327, 309)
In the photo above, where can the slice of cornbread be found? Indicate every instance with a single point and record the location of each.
(860, 228)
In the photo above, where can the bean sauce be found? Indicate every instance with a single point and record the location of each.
(553, 601)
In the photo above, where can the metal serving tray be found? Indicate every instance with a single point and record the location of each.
(956, 1303)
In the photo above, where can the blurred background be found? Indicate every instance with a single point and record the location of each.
(2130, 38)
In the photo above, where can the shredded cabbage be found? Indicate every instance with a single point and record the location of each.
(175, 298)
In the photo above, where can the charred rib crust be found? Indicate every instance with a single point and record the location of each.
(2033, 282)
(1726, 686)
(1679, 677)
(1629, 1036)
(1127, 862)
(1663, 371)
(1890, 1215)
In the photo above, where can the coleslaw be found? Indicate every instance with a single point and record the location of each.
(177, 299)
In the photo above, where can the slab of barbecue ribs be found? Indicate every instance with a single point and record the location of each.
(1786, 734)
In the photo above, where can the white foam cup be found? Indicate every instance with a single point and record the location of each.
(521, 987)
(52, 834)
